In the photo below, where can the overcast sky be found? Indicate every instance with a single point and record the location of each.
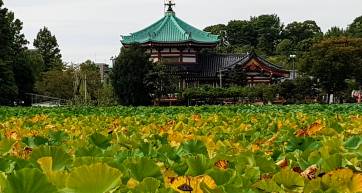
(91, 29)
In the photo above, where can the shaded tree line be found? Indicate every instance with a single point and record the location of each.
(21, 67)
(331, 60)
(42, 70)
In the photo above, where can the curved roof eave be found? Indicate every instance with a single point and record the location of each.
(170, 42)
(167, 30)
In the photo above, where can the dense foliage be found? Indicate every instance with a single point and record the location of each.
(311, 148)
(129, 76)
(47, 45)
(21, 67)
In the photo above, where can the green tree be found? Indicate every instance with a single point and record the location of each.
(47, 45)
(27, 67)
(221, 30)
(218, 29)
(129, 76)
(299, 31)
(8, 87)
(240, 32)
(57, 83)
(335, 32)
(160, 81)
(236, 77)
(285, 47)
(12, 41)
(12, 49)
(106, 96)
(87, 77)
(268, 29)
(355, 29)
(332, 61)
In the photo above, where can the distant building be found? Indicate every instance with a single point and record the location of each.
(178, 44)
(104, 71)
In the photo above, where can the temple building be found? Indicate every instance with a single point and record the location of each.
(178, 45)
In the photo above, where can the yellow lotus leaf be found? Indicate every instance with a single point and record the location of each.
(356, 183)
(244, 127)
(58, 178)
(178, 183)
(343, 180)
(168, 176)
(280, 124)
(255, 147)
(178, 137)
(315, 128)
(209, 143)
(196, 117)
(50, 127)
(132, 183)
(13, 134)
(270, 141)
(39, 118)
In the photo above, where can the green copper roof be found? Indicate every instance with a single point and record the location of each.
(170, 29)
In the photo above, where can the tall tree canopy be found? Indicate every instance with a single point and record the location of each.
(268, 29)
(355, 29)
(27, 68)
(8, 87)
(47, 45)
(241, 33)
(129, 76)
(89, 74)
(299, 31)
(335, 32)
(332, 61)
(20, 68)
(57, 83)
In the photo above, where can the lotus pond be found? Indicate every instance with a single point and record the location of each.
(207, 149)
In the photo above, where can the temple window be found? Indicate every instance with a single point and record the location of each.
(171, 59)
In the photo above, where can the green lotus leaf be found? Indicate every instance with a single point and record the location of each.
(148, 185)
(167, 152)
(197, 165)
(97, 178)
(220, 177)
(6, 146)
(58, 178)
(60, 158)
(245, 160)
(268, 186)
(100, 140)
(265, 165)
(79, 161)
(2, 181)
(180, 167)
(141, 168)
(331, 163)
(312, 185)
(29, 180)
(289, 179)
(353, 142)
(206, 189)
(193, 148)
(35, 141)
(6, 165)
(89, 150)
(57, 137)
(251, 175)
